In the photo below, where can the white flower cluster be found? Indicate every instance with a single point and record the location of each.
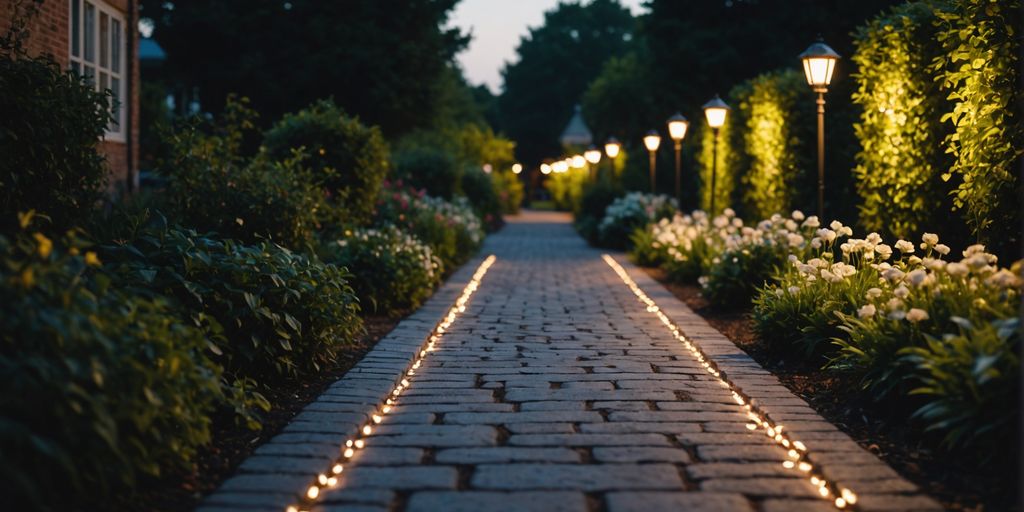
(637, 208)
(455, 212)
(389, 239)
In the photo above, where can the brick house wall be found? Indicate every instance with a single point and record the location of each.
(49, 34)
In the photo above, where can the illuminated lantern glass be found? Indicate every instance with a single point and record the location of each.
(578, 162)
(593, 155)
(715, 111)
(612, 147)
(652, 140)
(819, 64)
(677, 126)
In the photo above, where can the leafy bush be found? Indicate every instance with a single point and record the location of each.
(99, 386)
(272, 313)
(595, 200)
(482, 193)
(391, 270)
(510, 191)
(52, 120)
(212, 187)
(348, 159)
(634, 210)
(687, 245)
(899, 129)
(431, 169)
(980, 41)
(451, 229)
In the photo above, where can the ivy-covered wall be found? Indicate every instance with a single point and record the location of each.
(978, 71)
(900, 130)
(775, 152)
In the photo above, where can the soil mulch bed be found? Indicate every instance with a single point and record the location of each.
(232, 443)
(957, 486)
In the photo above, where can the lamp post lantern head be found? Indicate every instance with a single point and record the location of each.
(578, 162)
(652, 140)
(545, 169)
(677, 126)
(593, 155)
(715, 112)
(517, 168)
(612, 147)
(560, 166)
(819, 63)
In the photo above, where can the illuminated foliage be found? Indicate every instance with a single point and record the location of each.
(899, 129)
(768, 111)
(978, 69)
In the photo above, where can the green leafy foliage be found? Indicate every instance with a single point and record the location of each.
(596, 199)
(391, 270)
(482, 193)
(273, 313)
(774, 142)
(212, 186)
(628, 213)
(348, 160)
(52, 120)
(100, 386)
(736, 275)
(978, 70)
(429, 168)
(899, 129)
(510, 191)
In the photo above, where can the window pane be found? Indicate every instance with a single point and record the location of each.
(76, 67)
(76, 27)
(89, 33)
(104, 81)
(115, 45)
(89, 72)
(104, 40)
(115, 106)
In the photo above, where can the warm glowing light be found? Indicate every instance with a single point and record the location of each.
(840, 503)
(593, 155)
(560, 166)
(578, 162)
(349, 452)
(337, 469)
(322, 478)
(292, 509)
(677, 126)
(652, 140)
(612, 147)
(788, 464)
(545, 169)
(716, 111)
(367, 430)
(313, 492)
(819, 63)
(377, 418)
(517, 168)
(360, 443)
(849, 496)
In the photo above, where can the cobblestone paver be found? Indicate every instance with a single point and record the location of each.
(557, 390)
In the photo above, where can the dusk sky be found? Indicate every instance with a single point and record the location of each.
(497, 26)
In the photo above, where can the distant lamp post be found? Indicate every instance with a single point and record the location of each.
(677, 126)
(715, 111)
(593, 156)
(545, 169)
(611, 148)
(819, 63)
(651, 141)
(560, 167)
(517, 168)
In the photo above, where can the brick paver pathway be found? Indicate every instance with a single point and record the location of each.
(557, 390)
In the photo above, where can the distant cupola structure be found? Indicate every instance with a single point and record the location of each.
(576, 132)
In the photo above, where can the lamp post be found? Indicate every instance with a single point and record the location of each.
(593, 156)
(715, 111)
(652, 140)
(677, 126)
(578, 162)
(819, 62)
(517, 168)
(611, 148)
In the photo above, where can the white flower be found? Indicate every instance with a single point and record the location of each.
(929, 239)
(811, 222)
(893, 275)
(830, 277)
(816, 243)
(797, 215)
(918, 277)
(866, 311)
(942, 249)
(894, 304)
(792, 258)
(826, 234)
(874, 238)
(883, 250)
(916, 315)
(901, 292)
(836, 225)
(905, 247)
(794, 240)
(779, 292)
(897, 314)
(873, 293)
(793, 290)
(957, 269)
(1003, 279)
(974, 249)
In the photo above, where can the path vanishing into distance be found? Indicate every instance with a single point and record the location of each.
(558, 388)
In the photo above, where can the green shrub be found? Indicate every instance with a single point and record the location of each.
(595, 200)
(431, 169)
(213, 187)
(348, 159)
(451, 229)
(899, 130)
(481, 192)
(687, 245)
(272, 313)
(52, 120)
(99, 386)
(980, 40)
(391, 270)
(735, 276)
(510, 191)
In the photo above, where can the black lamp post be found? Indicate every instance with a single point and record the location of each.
(651, 141)
(677, 126)
(611, 148)
(715, 111)
(819, 62)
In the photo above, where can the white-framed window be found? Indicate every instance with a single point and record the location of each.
(96, 40)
